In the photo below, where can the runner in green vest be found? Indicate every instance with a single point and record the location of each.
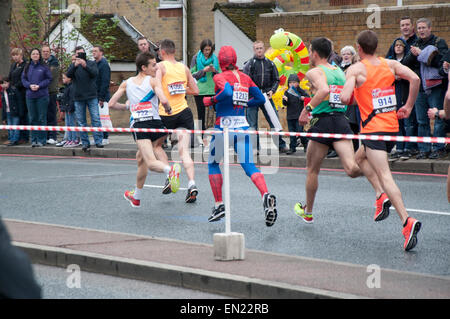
(327, 117)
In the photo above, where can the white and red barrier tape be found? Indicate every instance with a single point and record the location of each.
(417, 139)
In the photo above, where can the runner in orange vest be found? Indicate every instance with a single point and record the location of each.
(372, 82)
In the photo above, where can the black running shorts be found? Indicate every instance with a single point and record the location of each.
(184, 119)
(386, 146)
(148, 136)
(335, 123)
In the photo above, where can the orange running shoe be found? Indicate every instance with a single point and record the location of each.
(128, 195)
(410, 233)
(382, 207)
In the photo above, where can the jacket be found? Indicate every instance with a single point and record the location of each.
(36, 73)
(103, 79)
(67, 101)
(264, 73)
(16, 107)
(430, 75)
(207, 87)
(15, 75)
(53, 64)
(294, 103)
(408, 44)
(84, 80)
(401, 86)
(412, 62)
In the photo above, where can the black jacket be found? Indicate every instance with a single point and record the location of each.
(103, 79)
(264, 73)
(84, 80)
(294, 103)
(16, 107)
(67, 102)
(15, 75)
(408, 43)
(411, 61)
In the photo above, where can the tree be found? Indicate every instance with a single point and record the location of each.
(5, 24)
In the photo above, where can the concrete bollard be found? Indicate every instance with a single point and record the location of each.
(229, 246)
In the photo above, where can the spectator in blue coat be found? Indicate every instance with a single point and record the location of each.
(36, 78)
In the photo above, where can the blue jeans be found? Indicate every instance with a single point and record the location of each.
(423, 103)
(70, 121)
(295, 127)
(252, 119)
(37, 111)
(80, 114)
(13, 135)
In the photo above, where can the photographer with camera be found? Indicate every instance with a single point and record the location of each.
(84, 73)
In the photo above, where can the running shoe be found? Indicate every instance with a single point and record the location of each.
(191, 194)
(382, 207)
(71, 144)
(217, 213)
(299, 210)
(410, 233)
(270, 211)
(166, 189)
(128, 195)
(61, 144)
(174, 177)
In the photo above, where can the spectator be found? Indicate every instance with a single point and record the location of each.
(145, 46)
(204, 66)
(349, 57)
(17, 278)
(36, 78)
(404, 150)
(15, 76)
(408, 35)
(67, 105)
(83, 74)
(53, 64)
(294, 98)
(409, 125)
(103, 80)
(11, 109)
(264, 74)
(426, 54)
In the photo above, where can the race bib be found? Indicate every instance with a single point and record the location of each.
(335, 97)
(240, 95)
(176, 88)
(233, 121)
(384, 100)
(142, 111)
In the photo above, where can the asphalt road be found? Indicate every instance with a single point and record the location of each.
(89, 193)
(59, 283)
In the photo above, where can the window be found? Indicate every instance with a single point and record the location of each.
(170, 4)
(58, 4)
(345, 2)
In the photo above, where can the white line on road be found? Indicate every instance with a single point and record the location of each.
(159, 186)
(425, 211)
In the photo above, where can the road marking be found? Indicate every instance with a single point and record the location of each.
(159, 186)
(423, 211)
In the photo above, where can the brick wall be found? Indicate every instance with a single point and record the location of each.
(343, 28)
(307, 5)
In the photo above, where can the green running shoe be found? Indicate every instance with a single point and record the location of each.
(299, 210)
(174, 177)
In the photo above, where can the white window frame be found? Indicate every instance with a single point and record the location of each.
(61, 10)
(170, 4)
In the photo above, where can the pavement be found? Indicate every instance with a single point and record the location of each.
(192, 265)
(123, 146)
